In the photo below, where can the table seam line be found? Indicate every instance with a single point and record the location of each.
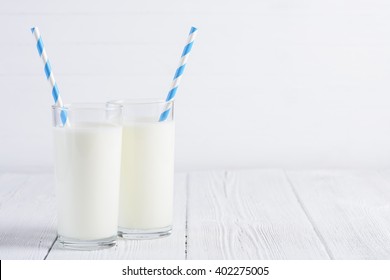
(186, 223)
(51, 247)
(308, 216)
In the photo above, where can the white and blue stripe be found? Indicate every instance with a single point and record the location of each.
(49, 73)
(179, 73)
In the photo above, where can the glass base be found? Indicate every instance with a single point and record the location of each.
(127, 233)
(86, 245)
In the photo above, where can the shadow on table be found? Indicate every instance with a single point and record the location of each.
(26, 242)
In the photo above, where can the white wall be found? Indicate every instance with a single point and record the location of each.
(270, 83)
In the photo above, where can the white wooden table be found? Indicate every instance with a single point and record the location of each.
(245, 214)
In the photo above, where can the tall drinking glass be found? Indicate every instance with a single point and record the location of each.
(146, 192)
(87, 166)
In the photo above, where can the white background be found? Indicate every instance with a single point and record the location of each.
(272, 83)
(278, 270)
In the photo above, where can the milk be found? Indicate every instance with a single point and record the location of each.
(146, 193)
(87, 163)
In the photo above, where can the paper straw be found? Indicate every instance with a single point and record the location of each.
(179, 73)
(49, 73)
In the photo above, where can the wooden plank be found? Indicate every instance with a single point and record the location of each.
(172, 247)
(27, 217)
(251, 214)
(350, 210)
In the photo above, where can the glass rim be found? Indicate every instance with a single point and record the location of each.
(139, 101)
(88, 106)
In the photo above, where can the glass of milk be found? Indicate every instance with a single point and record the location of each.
(146, 191)
(87, 151)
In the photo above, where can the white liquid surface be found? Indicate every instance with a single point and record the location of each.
(146, 194)
(87, 160)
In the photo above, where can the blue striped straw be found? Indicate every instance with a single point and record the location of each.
(49, 74)
(179, 73)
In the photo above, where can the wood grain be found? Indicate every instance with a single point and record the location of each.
(250, 214)
(247, 214)
(172, 247)
(27, 215)
(349, 208)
